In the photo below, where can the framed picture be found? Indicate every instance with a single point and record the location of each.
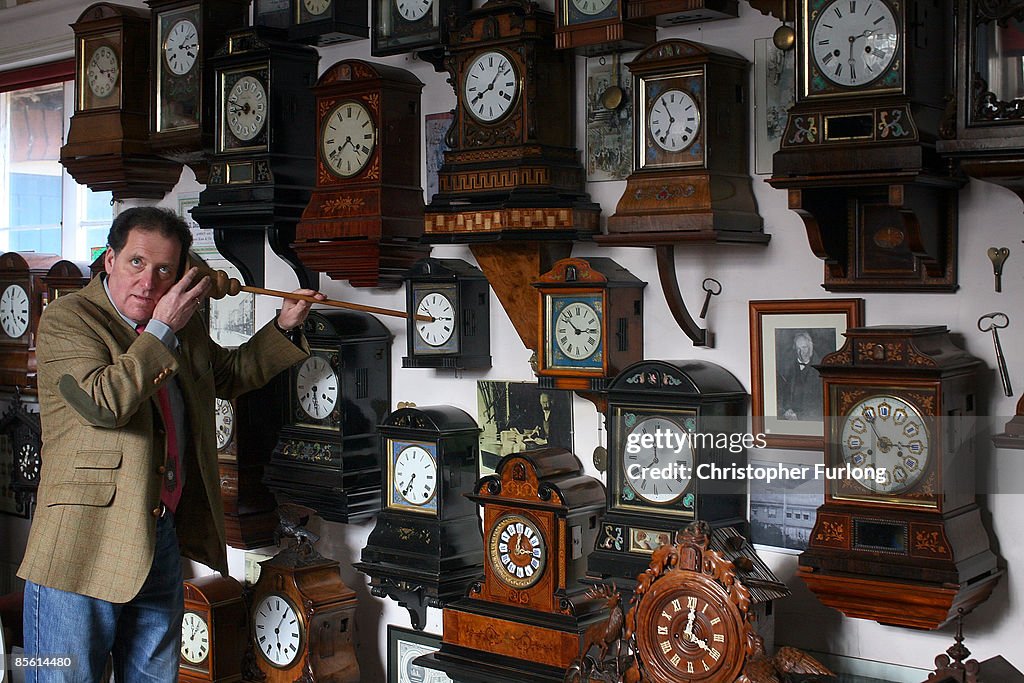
(435, 127)
(783, 509)
(405, 645)
(520, 416)
(609, 119)
(774, 93)
(787, 340)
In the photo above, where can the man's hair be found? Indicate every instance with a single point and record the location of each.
(803, 335)
(151, 219)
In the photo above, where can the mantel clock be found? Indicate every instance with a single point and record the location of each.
(262, 162)
(512, 170)
(65, 276)
(527, 618)
(668, 418)
(857, 155)
(456, 295)
(364, 220)
(426, 548)
(213, 630)
(900, 537)
(22, 297)
(326, 22)
(597, 27)
(327, 455)
(108, 146)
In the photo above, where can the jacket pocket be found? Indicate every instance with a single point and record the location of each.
(82, 493)
(96, 467)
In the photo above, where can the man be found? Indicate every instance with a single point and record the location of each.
(127, 380)
(800, 384)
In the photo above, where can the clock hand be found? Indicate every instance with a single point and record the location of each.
(490, 86)
(409, 487)
(671, 119)
(688, 631)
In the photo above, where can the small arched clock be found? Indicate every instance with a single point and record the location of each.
(213, 630)
(22, 296)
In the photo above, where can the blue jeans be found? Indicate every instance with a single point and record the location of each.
(143, 635)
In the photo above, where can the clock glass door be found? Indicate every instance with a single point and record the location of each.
(178, 74)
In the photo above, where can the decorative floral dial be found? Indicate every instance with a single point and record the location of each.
(246, 108)
(653, 455)
(854, 41)
(886, 433)
(516, 551)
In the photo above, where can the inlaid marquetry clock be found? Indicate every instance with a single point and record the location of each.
(108, 146)
(22, 295)
(900, 538)
(596, 27)
(213, 630)
(325, 22)
(327, 455)
(364, 220)
(426, 548)
(857, 156)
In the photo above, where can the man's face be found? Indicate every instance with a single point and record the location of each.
(142, 272)
(545, 402)
(803, 349)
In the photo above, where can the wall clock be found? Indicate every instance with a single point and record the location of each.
(25, 432)
(261, 165)
(185, 33)
(419, 26)
(65, 276)
(22, 294)
(456, 295)
(673, 12)
(857, 155)
(596, 27)
(302, 590)
(591, 314)
(325, 22)
(272, 13)
(425, 549)
(527, 616)
(900, 538)
(327, 452)
(512, 170)
(364, 220)
(108, 147)
(698, 409)
(213, 631)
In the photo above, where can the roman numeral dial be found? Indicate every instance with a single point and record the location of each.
(14, 311)
(491, 86)
(578, 331)
(347, 138)
(854, 42)
(674, 120)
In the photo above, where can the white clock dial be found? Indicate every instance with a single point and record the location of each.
(28, 462)
(591, 7)
(14, 311)
(181, 47)
(195, 638)
(246, 108)
(578, 330)
(516, 551)
(674, 120)
(654, 469)
(441, 329)
(490, 87)
(103, 71)
(886, 433)
(224, 419)
(415, 476)
(316, 6)
(316, 386)
(277, 630)
(348, 138)
(413, 10)
(854, 41)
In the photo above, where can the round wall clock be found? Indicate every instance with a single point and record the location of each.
(14, 311)
(490, 87)
(103, 71)
(517, 551)
(347, 138)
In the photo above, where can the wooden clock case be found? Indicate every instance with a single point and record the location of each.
(18, 358)
(218, 600)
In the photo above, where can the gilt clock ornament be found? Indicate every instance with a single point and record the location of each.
(857, 155)
(426, 548)
(213, 630)
(22, 297)
(325, 22)
(456, 295)
(527, 618)
(512, 170)
(261, 166)
(364, 220)
(108, 146)
(900, 538)
(597, 27)
(327, 452)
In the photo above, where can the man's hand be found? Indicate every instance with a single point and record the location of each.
(293, 313)
(182, 300)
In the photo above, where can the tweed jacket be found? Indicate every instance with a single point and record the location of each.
(104, 444)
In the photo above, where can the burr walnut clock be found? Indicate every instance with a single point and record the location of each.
(900, 538)
(364, 220)
(22, 294)
(213, 630)
(108, 147)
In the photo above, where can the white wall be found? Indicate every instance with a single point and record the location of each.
(786, 269)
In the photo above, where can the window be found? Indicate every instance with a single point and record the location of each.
(41, 207)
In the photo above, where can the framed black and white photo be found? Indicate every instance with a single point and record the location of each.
(404, 646)
(783, 510)
(520, 416)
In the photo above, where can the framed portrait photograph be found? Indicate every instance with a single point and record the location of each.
(520, 416)
(787, 340)
(404, 646)
(783, 511)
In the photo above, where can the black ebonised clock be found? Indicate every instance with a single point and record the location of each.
(325, 22)
(426, 547)
(456, 295)
(327, 453)
(413, 25)
(25, 432)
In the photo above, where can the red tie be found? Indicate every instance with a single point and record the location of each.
(171, 492)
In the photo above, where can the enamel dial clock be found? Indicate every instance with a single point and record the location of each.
(195, 638)
(490, 87)
(415, 476)
(14, 311)
(213, 630)
(224, 421)
(674, 120)
(516, 551)
(889, 435)
(348, 138)
(23, 291)
(658, 442)
(277, 630)
(441, 327)
(316, 387)
(854, 44)
(420, 26)
(103, 72)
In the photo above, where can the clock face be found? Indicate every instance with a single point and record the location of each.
(347, 138)
(414, 474)
(439, 307)
(14, 313)
(853, 43)
(592, 7)
(574, 331)
(490, 87)
(413, 10)
(103, 71)
(224, 419)
(181, 47)
(29, 462)
(889, 436)
(316, 387)
(657, 461)
(674, 120)
(316, 7)
(516, 551)
(195, 638)
(245, 108)
(277, 630)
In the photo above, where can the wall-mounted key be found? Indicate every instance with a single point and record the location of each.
(713, 288)
(993, 322)
(998, 256)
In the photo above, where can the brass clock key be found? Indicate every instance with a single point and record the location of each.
(712, 287)
(998, 257)
(993, 322)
